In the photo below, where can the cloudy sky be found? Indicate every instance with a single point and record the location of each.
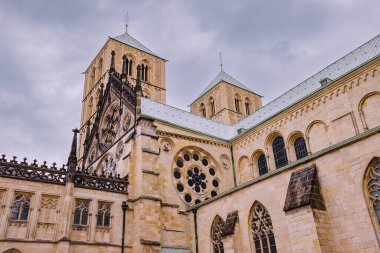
(268, 45)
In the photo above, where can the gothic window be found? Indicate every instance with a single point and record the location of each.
(93, 77)
(195, 175)
(90, 106)
(212, 106)
(146, 74)
(81, 212)
(216, 235)
(247, 105)
(109, 127)
(100, 67)
(300, 148)
(374, 188)
(262, 229)
(21, 206)
(262, 164)
(237, 103)
(279, 152)
(203, 110)
(104, 214)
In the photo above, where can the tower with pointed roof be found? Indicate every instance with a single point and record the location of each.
(135, 54)
(226, 100)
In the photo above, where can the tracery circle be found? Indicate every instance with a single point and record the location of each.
(195, 175)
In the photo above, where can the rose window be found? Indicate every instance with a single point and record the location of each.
(195, 176)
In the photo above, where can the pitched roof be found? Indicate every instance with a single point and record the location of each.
(223, 76)
(187, 120)
(129, 40)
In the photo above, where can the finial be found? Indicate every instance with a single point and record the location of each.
(221, 62)
(72, 160)
(126, 18)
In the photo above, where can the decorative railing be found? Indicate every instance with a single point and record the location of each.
(33, 171)
(43, 173)
(85, 179)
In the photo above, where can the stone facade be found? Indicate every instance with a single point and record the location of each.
(304, 180)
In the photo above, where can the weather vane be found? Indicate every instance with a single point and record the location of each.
(221, 61)
(126, 18)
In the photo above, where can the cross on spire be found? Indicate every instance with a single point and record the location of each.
(221, 61)
(127, 19)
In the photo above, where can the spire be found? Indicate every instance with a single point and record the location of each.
(72, 162)
(221, 61)
(126, 22)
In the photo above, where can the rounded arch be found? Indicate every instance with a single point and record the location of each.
(259, 163)
(371, 192)
(260, 228)
(368, 110)
(100, 68)
(317, 137)
(245, 171)
(237, 100)
(247, 105)
(216, 232)
(271, 136)
(13, 250)
(146, 70)
(90, 107)
(202, 110)
(296, 145)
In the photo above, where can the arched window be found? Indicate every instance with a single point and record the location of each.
(90, 107)
(100, 67)
(262, 229)
(247, 106)
(144, 72)
(20, 208)
(373, 178)
(212, 106)
(104, 214)
(237, 103)
(203, 110)
(279, 152)
(92, 77)
(81, 212)
(300, 148)
(262, 164)
(216, 235)
(130, 67)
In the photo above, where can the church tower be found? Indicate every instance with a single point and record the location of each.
(134, 53)
(226, 100)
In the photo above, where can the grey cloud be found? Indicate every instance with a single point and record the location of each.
(268, 45)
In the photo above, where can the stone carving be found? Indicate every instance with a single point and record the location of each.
(374, 183)
(107, 166)
(225, 162)
(49, 202)
(217, 235)
(127, 122)
(195, 175)
(110, 127)
(119, 150)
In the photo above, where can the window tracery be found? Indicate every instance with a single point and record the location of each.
(104, 215)
(81, 212)
(20, 207)
(374, 187)
(217, 235)
(107, 166)
(195, 175)
(110, 127)
(262, 230)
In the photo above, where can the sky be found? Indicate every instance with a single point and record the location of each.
(269, 45)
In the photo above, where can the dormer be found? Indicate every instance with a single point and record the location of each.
(226, 100)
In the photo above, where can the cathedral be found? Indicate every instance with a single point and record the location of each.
(298, 174)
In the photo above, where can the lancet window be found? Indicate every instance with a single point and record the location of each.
(374, 188)
(212, 106)
(262, 165)
(300, 148)
(262, 230)
(216, 235)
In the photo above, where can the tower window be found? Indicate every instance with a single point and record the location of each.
(203, 110)
(279, 152)
(130, 67)
(212, 106)
(300, 148)
(237, 103)
(247, 106)
(262, 164)
(144, 72)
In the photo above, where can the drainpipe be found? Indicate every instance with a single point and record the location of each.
(233, 164)
(196, 229)
(124, 207)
